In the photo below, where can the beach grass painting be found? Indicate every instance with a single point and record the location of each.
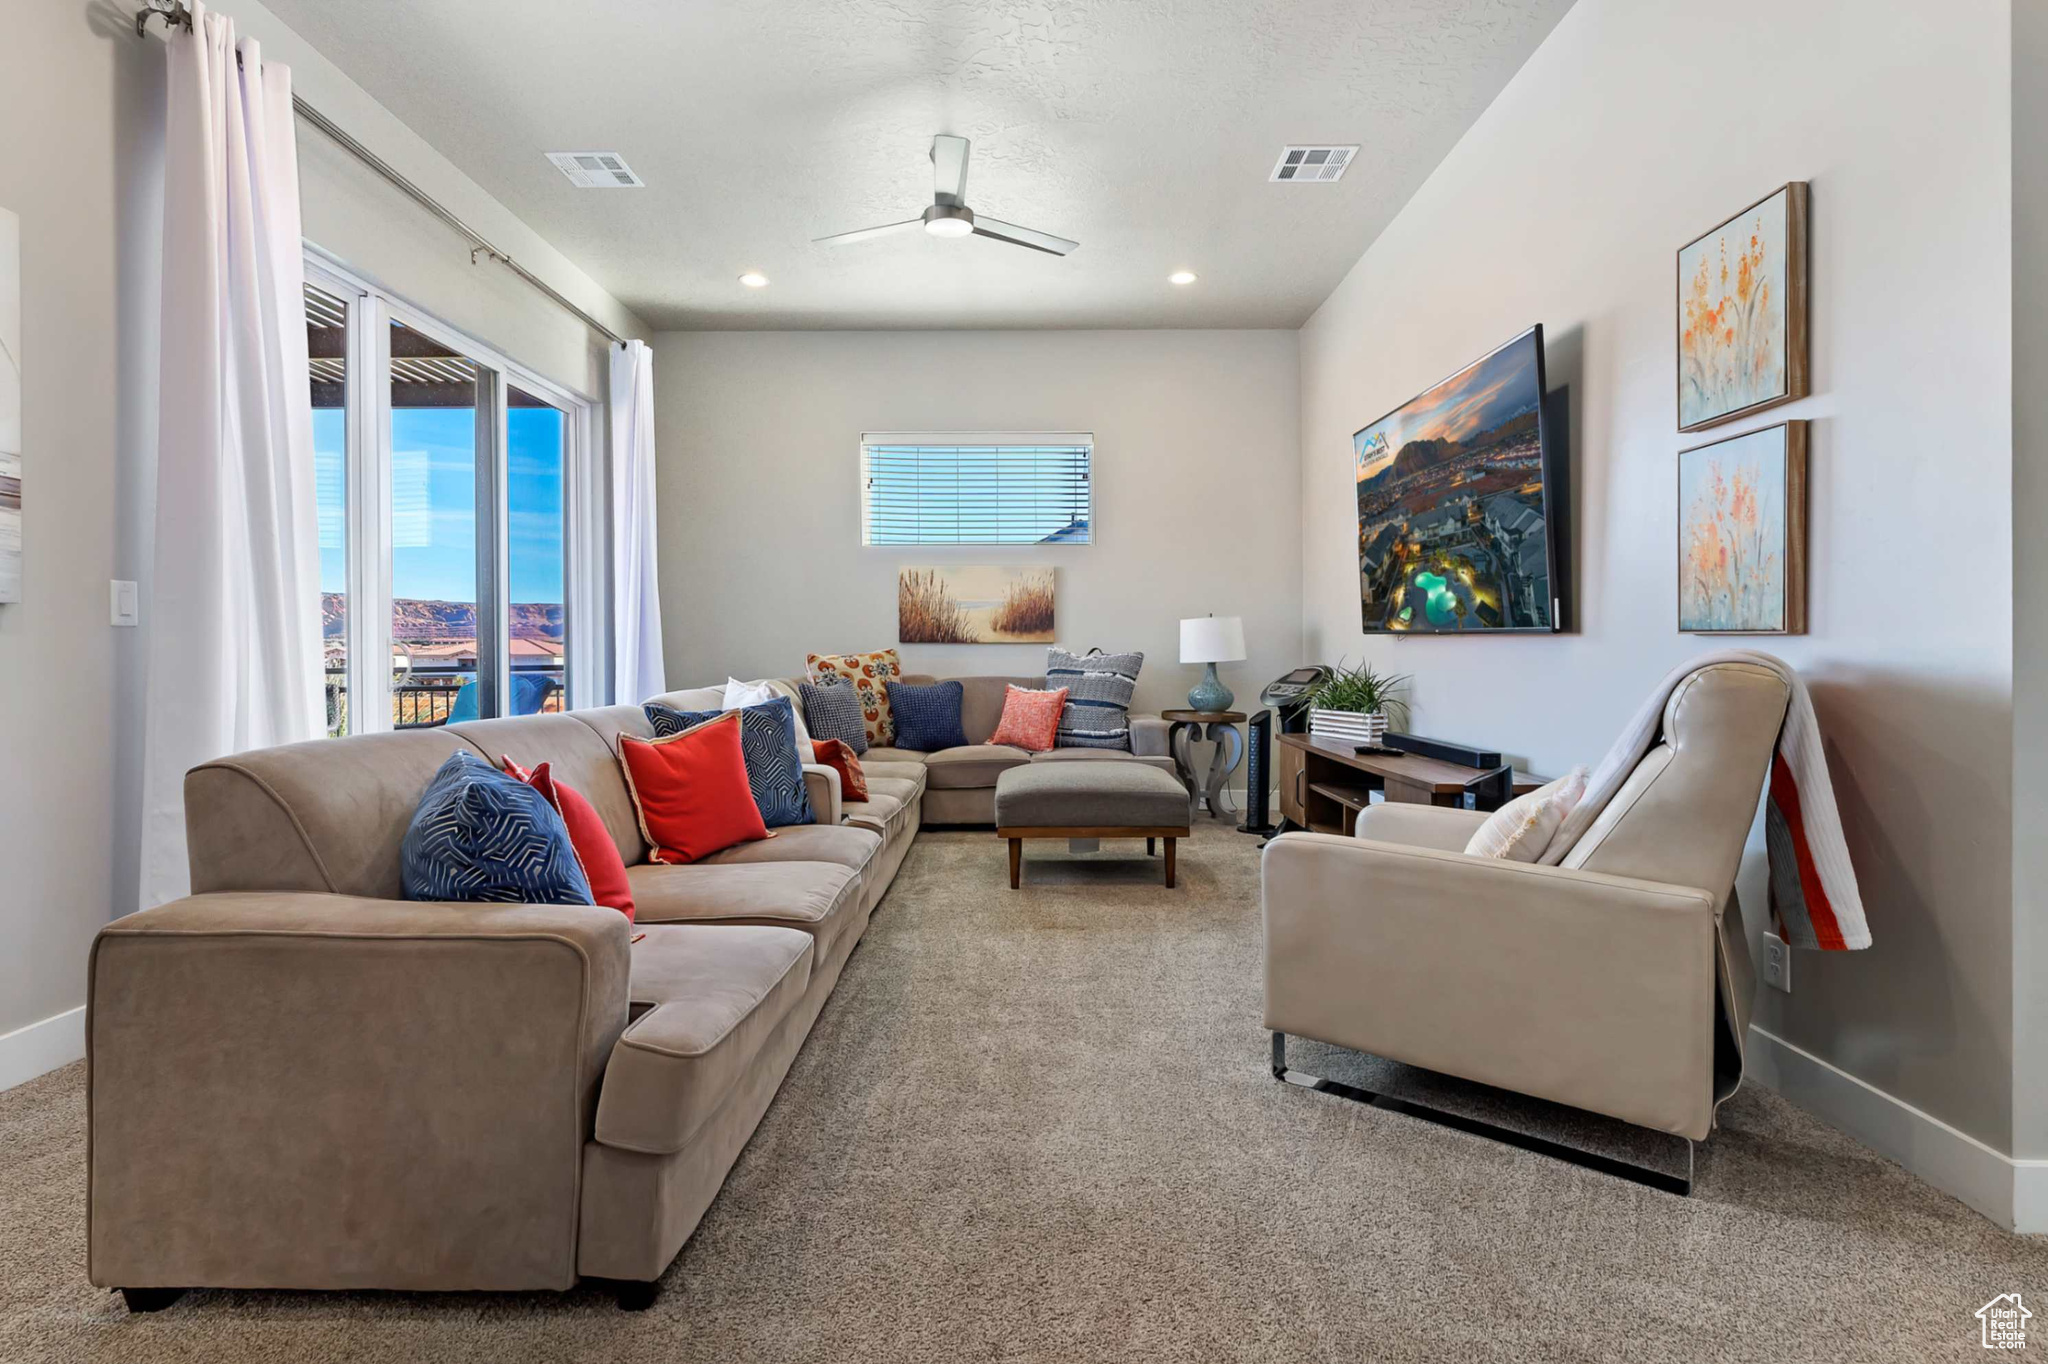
(1742, 313)
(974, 604)
(10, 407)
(1742, 534)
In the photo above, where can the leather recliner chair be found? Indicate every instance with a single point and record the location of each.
(1618, 981)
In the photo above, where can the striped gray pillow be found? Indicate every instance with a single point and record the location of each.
(1099, 688)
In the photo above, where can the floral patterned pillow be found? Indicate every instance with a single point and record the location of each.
(867, 673)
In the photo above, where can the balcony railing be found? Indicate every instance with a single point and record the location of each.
(426, 698)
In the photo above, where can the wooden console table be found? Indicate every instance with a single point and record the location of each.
(1323, 786)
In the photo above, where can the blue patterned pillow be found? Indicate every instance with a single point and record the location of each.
(775, 774)
(927, 718)
(832, 711)
(482, 836)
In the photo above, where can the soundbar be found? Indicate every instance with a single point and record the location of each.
(1443, 750)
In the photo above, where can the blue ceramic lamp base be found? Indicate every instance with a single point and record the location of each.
(1210, 693)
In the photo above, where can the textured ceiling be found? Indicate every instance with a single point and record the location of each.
(1144, 128)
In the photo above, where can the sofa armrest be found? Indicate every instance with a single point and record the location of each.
(1586, 989)
(1149, 737)
(321, 1091)
(1442, 827)
(822, 784)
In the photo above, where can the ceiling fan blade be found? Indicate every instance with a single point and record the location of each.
(862, 234)
(949, 169)
(1022, 236)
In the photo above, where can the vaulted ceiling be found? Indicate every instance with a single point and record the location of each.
(1146, 129)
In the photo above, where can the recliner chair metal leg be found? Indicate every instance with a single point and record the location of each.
(1507, 1136)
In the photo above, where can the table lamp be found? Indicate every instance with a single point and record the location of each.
(1211, 640)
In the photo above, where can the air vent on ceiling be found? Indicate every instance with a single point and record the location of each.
(596, 170)
(1312, 163)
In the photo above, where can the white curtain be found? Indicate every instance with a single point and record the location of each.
(637, 668)
(234, 623)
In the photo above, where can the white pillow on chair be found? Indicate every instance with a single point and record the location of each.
(1520, 830)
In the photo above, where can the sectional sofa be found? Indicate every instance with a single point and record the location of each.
(298, 1079)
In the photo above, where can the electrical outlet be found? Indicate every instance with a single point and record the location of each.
(1777, 963)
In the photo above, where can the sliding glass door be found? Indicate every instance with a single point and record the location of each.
(451, 558)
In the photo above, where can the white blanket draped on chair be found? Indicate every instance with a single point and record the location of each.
(233, 622)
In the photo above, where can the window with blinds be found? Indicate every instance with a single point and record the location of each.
(976, 489)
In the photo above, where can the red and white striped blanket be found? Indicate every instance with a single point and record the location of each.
(1813, 886)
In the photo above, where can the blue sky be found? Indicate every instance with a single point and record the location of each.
(433, 502)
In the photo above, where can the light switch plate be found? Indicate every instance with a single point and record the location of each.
(124, 603)
(1777, 972)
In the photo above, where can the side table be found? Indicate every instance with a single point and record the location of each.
(1220, 728)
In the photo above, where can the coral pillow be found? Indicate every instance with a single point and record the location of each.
(1031, 719)
(587, 835)
(690, 791)
(867, 672)
(838, 755)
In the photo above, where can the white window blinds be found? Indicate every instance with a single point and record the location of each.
(976, 489)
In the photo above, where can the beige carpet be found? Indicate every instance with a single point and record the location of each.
(1038, 1125)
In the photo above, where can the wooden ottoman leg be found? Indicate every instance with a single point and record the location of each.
(1016, 860)
(1170, 842)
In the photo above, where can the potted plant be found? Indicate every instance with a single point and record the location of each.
(1356, 704)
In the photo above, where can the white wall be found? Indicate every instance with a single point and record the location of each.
(1196, 492)
(1637, 125)
(87, 187)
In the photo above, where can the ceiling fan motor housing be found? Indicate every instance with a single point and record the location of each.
(949, 220)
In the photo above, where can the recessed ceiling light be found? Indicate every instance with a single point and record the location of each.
(1181, 277)
(754, 279)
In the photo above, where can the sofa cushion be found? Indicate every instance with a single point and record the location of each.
(1031, 719)
(768, 744)
(905, 771)
(691, 791)
(1102, 755)
(840, 844)
(885, 753)
(1099, 690)
(832, 711)
(575, 753)
(821, 898)
(866, 673)
(838, 755)
(955, 769)
(927, 718)
(712, 994)
(602, 865)
(481, 836)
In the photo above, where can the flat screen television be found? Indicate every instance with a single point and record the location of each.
(1460, 505)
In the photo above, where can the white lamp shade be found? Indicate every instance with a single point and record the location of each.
(1212, 639)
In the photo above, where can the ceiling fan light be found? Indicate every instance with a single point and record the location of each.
(949, 227)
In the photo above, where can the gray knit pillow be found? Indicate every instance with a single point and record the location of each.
(832, 711)
(1099, 689)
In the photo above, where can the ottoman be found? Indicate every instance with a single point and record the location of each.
(1107, 799)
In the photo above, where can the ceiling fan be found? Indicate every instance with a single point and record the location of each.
(949, 215)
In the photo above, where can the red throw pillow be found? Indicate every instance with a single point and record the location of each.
(1031, 719)
(691, 791)
(838, 755)
(602, 865)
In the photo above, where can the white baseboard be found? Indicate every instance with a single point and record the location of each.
(42, 1047)
(2012, 1193)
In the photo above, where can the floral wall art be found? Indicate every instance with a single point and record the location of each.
(1742, 534)
(1742, 312)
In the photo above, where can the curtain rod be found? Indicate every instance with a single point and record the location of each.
(175, 15)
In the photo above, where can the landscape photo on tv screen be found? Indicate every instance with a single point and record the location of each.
(1453, 535)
